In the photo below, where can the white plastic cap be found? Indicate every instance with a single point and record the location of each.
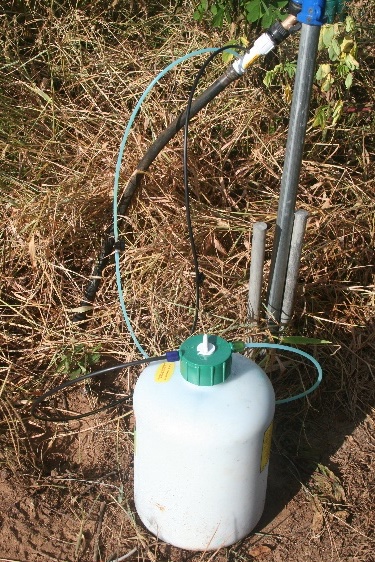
(205, 347)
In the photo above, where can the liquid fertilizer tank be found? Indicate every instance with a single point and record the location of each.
(203, 437)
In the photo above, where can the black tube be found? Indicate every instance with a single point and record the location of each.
(72, 382)
(229, 76)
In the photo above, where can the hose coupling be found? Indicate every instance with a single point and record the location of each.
(265, 43)
(262, 46)
(277, 32)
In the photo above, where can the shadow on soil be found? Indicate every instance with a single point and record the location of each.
(307, 436)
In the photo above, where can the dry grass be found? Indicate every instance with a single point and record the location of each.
(69, 82)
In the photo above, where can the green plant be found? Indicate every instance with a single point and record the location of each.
(264, 12)
(338, 42)
(77, 360)
(287, 69)
(337, 52)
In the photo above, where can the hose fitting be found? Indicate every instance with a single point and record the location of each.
(294, 7)
(277, 33)
(265, 43)
(262, 46)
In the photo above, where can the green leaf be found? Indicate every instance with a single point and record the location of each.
(253, 11)
(328, 33)
(267, 19)
(327, 83)
(342, 70)
(217, 20)
(63, 366)
(332, 53)
(347, 44)
(336, 47)
(320, 118)
(350, 62)
(75, 374)
(349, 80)
(323, 71)
(227, 56)
(290, 69)
(349, 24)
(301, 340)
(337, 111)
(94, 358)
(268, 78)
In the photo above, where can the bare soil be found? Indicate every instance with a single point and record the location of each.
(79, 507)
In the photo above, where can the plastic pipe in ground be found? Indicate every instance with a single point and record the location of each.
(299, 227)
(292, 167)
(256, 271)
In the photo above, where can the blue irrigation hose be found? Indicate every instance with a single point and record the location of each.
(298, 352)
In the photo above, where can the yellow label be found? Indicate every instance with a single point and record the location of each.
(164, 372)
(266, 448)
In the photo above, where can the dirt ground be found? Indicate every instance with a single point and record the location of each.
(79, 507)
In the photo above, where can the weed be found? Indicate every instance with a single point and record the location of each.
(262, 12)
(77, 361)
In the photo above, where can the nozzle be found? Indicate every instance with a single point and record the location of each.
(205, 347)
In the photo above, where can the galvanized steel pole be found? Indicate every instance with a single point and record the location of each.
(292, 166)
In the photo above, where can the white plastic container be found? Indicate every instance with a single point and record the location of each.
(201, 452)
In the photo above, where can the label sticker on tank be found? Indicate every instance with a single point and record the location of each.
(164, 372)
(266, 448)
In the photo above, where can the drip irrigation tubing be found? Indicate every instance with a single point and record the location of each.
(108, 244)
(64, 418)
(170, 356)
(198, 274)
(117, 244)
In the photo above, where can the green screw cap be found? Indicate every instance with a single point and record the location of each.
(205, 360)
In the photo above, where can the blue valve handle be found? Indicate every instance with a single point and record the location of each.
(317, 12)
(312, 12)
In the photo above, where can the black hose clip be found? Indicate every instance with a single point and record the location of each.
(201, 278)
(119, 246)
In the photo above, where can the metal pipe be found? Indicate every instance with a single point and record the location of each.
(299, 227)
(256, 271)
(292, 167)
